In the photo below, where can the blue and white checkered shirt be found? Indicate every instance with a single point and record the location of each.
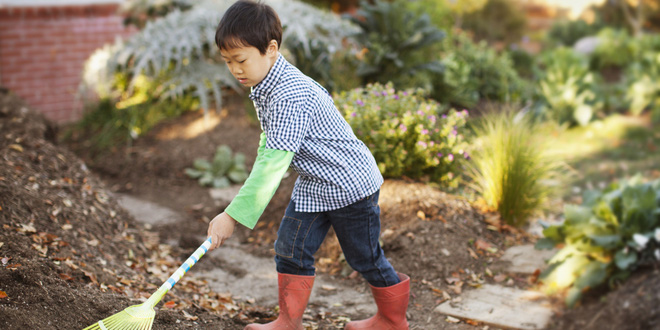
(297, 114)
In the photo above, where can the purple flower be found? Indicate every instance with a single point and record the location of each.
(359, 102)
(444, 116)
(403, 128)
(440, 154)
(353, 114)
(405, 93)
(384, 93)
(454, 132)
(425, 131)
(466, 155)
(431, 118)
(465, 112)
(396, 97)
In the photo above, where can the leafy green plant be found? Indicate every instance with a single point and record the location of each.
(568, 32)
(474, 72)
(498, 20)
(179, 48)
(566, 87)
(615, 49)
(121, 119)
(603, 240)
(221, 171)
(643, 80)
(408, 134)
(393, 37)
(510, 167)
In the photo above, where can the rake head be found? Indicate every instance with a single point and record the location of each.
(137, 317)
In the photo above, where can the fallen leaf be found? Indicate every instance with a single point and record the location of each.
(3, 295)
(328, 287)
(452, 319)
(189, 317)
(483, 245)
(91, 276)
(27, 229)
(499, 278)
(451, 280)
(13, 266)
(421, 215)
(472, 322)
(67, 227)
(66, 277)
(169, 304)
(16, 147)
(472, 254)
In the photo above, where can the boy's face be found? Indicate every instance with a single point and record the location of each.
(248, 65)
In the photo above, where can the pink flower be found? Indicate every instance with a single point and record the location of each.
(403, 128)
(359, 102)
(450, 157)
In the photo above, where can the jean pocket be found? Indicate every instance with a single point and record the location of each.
(286, 237)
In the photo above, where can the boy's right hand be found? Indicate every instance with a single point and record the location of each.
(220, 229)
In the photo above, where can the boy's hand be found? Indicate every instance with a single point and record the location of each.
(220, 229)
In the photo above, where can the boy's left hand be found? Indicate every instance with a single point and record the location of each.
(220, 229)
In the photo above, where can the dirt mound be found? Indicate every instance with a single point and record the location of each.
(70, 254)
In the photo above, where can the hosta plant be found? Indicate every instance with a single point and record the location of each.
(566, 87)
(222, 171)
(605, 239)
(408, 134)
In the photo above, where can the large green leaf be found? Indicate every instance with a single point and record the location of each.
(607, 241)
(577, 213)
(593, 274)
(624, 259)
(202, 164)
(545, 244)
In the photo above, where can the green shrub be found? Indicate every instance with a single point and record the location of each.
(615, 49)
(408, 134)
(568, 32)
(474, 72)
(510, 168)
(605, 239)
(498, 20)
(122, 119)
(643, 81)
(221, 171)
(394, 39)
(566, 87)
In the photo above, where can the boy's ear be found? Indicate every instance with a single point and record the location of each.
(272, 48)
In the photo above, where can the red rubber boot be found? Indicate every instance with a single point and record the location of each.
(392, 302)
(294, 291)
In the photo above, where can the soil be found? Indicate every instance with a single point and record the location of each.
(71, 255)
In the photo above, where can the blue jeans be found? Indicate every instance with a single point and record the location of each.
(358, 229)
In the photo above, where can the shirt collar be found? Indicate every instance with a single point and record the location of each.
(262, 89)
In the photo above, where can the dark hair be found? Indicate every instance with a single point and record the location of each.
(249, 23)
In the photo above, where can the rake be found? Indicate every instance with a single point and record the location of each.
(141, 317)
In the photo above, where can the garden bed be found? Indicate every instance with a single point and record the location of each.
(71, 255)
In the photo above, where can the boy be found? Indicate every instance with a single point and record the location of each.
(338, 182)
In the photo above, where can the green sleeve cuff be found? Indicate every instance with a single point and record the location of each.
(259, 188)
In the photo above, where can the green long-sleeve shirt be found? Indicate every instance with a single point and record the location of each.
(260, 186)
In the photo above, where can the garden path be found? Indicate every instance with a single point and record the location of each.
(252, 278)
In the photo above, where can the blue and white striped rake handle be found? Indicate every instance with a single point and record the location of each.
(178, 274)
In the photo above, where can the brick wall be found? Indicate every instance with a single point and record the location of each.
(43, 50)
